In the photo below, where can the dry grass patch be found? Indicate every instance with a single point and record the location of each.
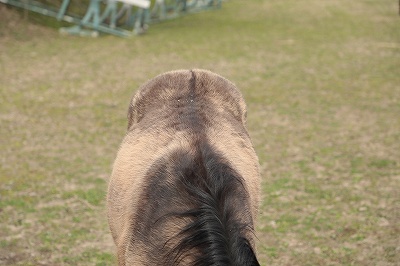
(322, 86)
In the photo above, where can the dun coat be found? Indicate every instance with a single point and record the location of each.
(184, 189)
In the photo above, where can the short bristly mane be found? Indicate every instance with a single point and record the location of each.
(219, 213)
(219, 229)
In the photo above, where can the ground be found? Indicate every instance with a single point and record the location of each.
(322, 84)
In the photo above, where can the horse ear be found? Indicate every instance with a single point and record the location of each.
(238, 106)
(135, 110)
(243, 109)
(132, 116)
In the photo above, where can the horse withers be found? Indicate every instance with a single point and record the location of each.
(185, 185)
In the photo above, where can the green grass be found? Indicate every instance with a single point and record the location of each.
(322, 86)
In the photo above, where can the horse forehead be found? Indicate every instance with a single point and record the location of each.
(200, 82)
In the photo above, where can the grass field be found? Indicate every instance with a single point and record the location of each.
(322, 84)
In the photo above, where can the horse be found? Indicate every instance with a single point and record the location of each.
(185, 184)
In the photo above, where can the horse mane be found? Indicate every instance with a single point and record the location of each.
(221, 222)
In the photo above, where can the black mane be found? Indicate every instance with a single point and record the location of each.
(215, 202)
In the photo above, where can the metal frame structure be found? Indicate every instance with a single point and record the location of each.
(105, 16)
